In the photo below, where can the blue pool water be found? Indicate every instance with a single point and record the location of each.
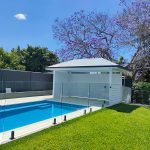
(18, 115)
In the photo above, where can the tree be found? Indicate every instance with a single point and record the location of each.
(37, 58)
(29, 59)
(4, 59)
(85, 35)
(16, 59)
(134, 26)
(121, 61)
(134, 23)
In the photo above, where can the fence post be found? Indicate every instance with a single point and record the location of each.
(61, 92)
(142, 97)
(132, 94)
(14, 86)
(89, 95)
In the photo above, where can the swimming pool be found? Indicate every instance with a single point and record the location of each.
(19, 115)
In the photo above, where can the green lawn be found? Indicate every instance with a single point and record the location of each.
(120, 127)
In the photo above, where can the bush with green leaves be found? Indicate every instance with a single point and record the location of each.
(29, 59)
(141, 92)
(142, 86)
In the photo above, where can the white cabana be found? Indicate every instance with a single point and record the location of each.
(95, 78)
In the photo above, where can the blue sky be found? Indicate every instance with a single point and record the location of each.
(40, 16)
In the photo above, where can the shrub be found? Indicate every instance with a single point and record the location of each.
(141, 92)
(141, 86)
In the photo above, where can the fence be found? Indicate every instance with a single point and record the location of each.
(88, 90)
(141, 96)
(22, 81)
(20, 117)
(24, 86)
(18, 89)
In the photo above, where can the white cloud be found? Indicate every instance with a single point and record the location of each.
(20, 16)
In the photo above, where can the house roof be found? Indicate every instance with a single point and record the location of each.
(79, 63)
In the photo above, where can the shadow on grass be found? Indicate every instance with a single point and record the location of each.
(125, 108)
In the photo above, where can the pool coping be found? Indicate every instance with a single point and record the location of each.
(24, 100)
(41, 125)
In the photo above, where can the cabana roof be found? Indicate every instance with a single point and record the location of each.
(79, 63)
(89, 64)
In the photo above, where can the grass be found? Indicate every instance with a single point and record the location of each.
(121, 127)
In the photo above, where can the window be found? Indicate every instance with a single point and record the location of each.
(79, 72)
(104, 72)
(99, 72)
(116, 72)
(93, 72)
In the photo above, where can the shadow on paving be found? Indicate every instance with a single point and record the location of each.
(125, 108)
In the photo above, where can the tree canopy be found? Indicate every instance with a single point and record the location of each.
(90, 35)
(4, 59)
(29, 59)
(134, 27)
(16, 59)
(85, 35)
(37, 58)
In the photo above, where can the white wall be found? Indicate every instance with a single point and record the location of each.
(90, 78)
(116, 88)
(59, 78)
(126, 94)
(90, 85)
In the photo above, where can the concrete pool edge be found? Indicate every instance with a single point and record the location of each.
(39, 126)
(24, 100)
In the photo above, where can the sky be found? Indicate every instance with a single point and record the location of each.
(25, 22)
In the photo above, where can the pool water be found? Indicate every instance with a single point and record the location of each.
(18, 115)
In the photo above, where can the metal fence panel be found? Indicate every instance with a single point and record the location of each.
(141, 96)
(20, 81)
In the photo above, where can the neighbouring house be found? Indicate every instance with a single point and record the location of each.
(94, 78)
